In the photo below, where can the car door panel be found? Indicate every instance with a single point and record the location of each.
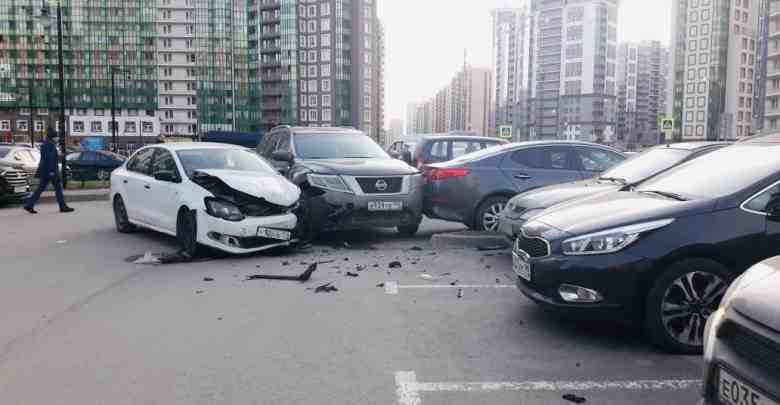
(163, 197)
(137, 184)
(534, 167)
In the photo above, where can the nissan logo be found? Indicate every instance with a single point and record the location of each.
(381, 185)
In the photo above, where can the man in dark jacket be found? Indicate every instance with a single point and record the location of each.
(47, 173)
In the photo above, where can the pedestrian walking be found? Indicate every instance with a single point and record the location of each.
(48, 173)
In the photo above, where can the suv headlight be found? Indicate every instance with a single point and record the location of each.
(329, 182)
(611, 240)
(223, 209)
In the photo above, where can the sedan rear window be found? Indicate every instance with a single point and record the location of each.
(703, 177)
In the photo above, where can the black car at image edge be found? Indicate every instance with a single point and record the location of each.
(662, 255)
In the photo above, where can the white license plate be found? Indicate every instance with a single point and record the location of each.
(273, 234)
(21, 189)
(732, 391)
(521, 265)
(385, 205)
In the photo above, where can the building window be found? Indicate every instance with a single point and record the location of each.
(325, 25)
(326, 85)
(130, 127)
(574, 33)
(313, 100)
(573, 69)
(5, 125)
(325, 39)
(96, 126)
(78, 126)
(132, 112)
(325, 70)
(313, 115)
(700, 116)
(326, 114)
(689, 116)
(326, 100)
(21, 125)
(38, 125)
(574, 51)
(148, 127)
(99, 112)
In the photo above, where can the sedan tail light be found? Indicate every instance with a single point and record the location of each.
(444, 174)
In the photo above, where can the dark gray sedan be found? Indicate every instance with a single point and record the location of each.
(742, 341)
(474, 188)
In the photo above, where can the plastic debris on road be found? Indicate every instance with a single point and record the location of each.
(395, 265)
(147, 258)
(574, 398)
(325, 288)
(303, 277)
(460, 293)
(208, 279)
(351, 274)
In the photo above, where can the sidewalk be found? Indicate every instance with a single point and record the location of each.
(76, 196)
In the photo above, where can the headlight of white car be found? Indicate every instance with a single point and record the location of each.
(329, 182)
(611, 240)
(223, 209)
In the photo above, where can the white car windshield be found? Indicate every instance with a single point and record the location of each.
(223, 159)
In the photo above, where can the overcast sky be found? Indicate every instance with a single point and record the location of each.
(426, 40)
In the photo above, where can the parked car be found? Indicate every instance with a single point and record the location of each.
(660, 255)
(441, 148)
(348, 181)
(24, 157)
(623, 176)
(93, 165)
(475, 188)
(14, 184)
(742, 341)
(215, 195)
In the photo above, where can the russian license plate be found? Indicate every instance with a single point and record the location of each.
(732, 391)
(385, 205)
(269, 233)
(20, 189)
(521, 265)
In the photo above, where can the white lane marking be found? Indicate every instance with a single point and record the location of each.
(405, 383)
(392, 287)
(408, 389)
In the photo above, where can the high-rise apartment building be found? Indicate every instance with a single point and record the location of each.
(512, 35)
(574, 70)
(320, 62)
(714, 67)
(641, 90)
(772, 65)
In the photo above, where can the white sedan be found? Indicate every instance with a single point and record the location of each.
(222, 196)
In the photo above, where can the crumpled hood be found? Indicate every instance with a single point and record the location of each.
(273, 188)
(546, 197)
(360, 167)
(613, 209)
(758, 299)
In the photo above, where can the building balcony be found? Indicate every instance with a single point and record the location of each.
(772, 112)
(270, 4)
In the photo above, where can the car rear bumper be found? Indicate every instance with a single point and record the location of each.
(241, 237)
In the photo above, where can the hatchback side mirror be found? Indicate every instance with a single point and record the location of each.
(282, 156)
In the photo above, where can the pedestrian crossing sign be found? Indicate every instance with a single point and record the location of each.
(667, 124)
(505, 131)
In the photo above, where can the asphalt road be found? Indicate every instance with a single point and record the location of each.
(81, 325)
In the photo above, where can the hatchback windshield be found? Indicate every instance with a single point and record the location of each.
(222, 159)
(646, 164)
(337, 146)
(704, 177)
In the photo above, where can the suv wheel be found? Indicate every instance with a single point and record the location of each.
(486, 218)
(680, 302)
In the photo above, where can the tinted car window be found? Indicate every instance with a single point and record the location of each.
(73, 156)
(89, 156)
(460, 148)
(164, 162)
(268, 145)
(142, 162)
(703, 177)
(337, 146)
(597, 160)
(762, 202)
(284, 142)
(544, 158)
(439, 151)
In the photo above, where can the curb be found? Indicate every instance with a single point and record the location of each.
(52, 199)
(468, 240)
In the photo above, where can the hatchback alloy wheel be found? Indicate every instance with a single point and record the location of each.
(490, 216)
(688, 303)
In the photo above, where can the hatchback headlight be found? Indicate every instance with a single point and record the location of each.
(611, 240)
(329, 182)
(223, 209)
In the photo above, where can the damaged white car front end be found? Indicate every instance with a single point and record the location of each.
(246, 213)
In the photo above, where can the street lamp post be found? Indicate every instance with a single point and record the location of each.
(61, 70)
(113, 109)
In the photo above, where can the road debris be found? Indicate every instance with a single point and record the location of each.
(285, 263)
(429, 277)
(460, 293)
(454, 283)
(147, 258)
(346, 259)
(208, 279)
(360, 267)
(381, 285)
(200, 292)
(351, 274)
(416, 248)
(62, 242)
(375, 266)
(303, 277)
(498, 281)
(574, 398)
(395, 265)
(219, 318)
(325, 288)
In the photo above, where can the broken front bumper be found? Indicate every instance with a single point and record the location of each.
(242, 237)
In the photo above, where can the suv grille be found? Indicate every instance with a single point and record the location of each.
(535, 247)
(754, 348)
(380, 185)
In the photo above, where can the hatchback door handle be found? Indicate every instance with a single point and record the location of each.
(125, 181)
(522, 176)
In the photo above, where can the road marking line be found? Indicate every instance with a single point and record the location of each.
(392, 287)
(408, 389)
